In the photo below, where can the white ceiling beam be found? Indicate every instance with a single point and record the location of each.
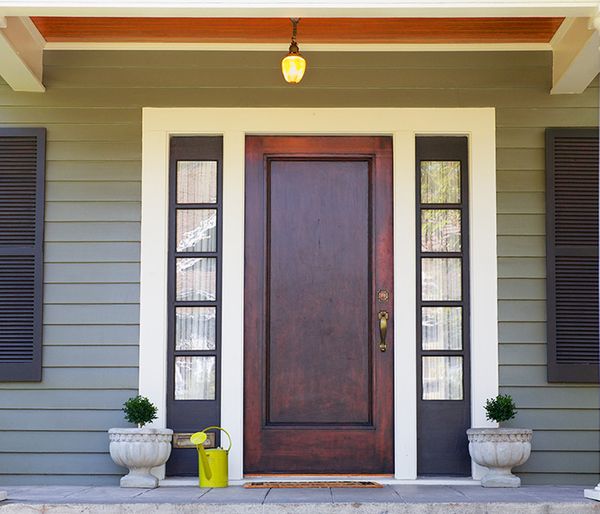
(21, 55)
(300, 8)
(576, 56)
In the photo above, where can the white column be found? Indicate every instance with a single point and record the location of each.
(594, 494)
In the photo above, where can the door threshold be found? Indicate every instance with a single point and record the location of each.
(382, 479)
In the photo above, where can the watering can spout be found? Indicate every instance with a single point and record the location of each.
(198, 439)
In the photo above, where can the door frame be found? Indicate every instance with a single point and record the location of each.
(403, 124)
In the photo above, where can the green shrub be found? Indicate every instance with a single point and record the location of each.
(139, 410)
(499, 409)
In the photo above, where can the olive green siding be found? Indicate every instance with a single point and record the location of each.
(92, 110)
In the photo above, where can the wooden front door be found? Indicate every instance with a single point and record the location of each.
(318, 278)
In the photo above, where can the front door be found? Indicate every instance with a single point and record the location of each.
(318, 305)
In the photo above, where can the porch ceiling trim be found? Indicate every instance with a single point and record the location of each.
(317, 47)
(299, 8)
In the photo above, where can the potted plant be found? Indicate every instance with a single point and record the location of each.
(140, 449)
(500, 449)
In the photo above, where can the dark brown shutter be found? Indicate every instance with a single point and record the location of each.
(572, 254)
(22, 158)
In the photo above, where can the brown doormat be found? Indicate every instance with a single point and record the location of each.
(316, 485)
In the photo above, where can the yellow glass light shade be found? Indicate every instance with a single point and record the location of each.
(293, 67)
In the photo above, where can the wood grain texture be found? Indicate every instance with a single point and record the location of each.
(310, 30)
(318, 255)
(318, 247)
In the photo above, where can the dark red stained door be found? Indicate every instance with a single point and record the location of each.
(318, 389)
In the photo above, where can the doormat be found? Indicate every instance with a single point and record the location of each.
(311, 485)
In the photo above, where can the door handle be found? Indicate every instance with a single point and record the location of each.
(383, 319)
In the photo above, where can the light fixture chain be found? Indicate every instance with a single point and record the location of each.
(294, 27)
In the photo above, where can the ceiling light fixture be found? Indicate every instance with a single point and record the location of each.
(293, 65)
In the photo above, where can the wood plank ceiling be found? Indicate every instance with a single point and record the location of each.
(310, 30)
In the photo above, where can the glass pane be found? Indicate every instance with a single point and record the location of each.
(442, 378)
(195, 378)
(196, 181)
(441, 279)
(195, 328)
(440, 230)
(442, 328)
(196, 279)
(440, 181)
(197, 230)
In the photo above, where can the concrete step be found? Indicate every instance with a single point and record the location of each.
(301, 508)
(390, 499)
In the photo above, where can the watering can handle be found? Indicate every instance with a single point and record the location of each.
(223, 430)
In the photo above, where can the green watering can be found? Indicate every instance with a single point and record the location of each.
(212, 464)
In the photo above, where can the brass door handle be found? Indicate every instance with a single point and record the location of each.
(383, 319)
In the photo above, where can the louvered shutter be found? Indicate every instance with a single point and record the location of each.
(572, 254)
(22, 159)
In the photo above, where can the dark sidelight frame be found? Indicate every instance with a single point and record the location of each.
(442, 447)
(188, 416)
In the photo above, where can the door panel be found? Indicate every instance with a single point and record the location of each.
(316, 210)
(318, 390)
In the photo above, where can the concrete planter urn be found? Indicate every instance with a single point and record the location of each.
(500, 450)
(140, 450)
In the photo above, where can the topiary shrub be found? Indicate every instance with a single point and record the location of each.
(499, 409)
(139, 410)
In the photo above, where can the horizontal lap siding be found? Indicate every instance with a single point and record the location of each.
(91, 296)
(92, 110)
(565, 418)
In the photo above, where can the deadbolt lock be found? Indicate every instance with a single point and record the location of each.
(383, 295)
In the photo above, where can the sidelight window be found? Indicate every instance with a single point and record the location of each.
(443, 364)
(195, 192)
(195, 281)
(442, 209)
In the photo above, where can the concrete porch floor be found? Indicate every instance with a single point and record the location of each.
(425, 499)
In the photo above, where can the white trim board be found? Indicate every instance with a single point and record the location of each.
(403, 125)
(299, 8)
(575, 56)
(306, 47)
(21, 55)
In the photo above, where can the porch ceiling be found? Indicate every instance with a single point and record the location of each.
(570, 31)
(311, 30)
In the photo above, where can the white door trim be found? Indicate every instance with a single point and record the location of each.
(403, 124)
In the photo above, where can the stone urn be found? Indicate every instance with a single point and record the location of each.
(500, 450)
(140, 450)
